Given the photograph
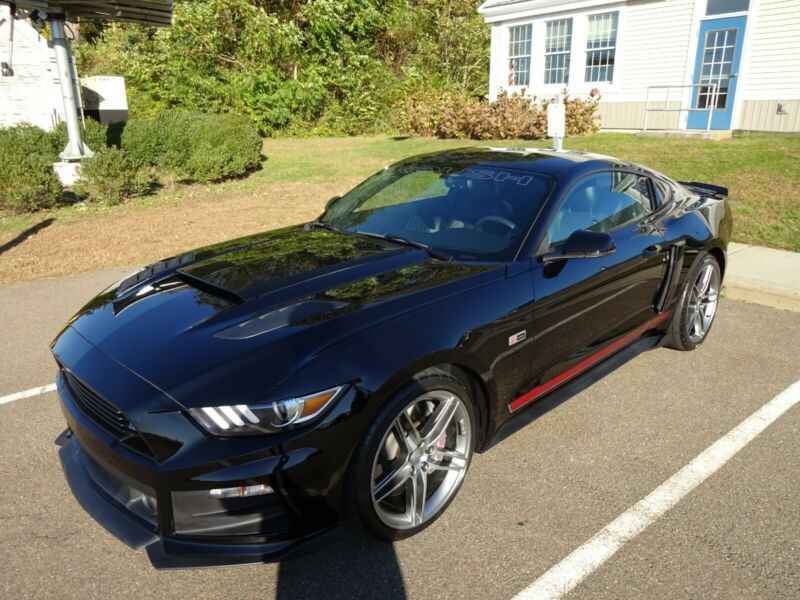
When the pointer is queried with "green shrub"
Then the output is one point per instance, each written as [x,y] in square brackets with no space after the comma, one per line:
[510,116]
[27,180]
[112,176]
[194,146]
[93,134]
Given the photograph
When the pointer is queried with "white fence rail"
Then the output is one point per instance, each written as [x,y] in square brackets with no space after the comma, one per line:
[711,101]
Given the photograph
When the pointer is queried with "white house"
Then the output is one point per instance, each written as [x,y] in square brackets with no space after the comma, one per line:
[29,85]
[696,64]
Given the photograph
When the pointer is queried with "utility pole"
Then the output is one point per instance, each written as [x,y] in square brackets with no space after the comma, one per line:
[75,148]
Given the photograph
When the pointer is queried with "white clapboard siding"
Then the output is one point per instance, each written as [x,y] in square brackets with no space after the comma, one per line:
[32,94]
[772,69]
[654,45]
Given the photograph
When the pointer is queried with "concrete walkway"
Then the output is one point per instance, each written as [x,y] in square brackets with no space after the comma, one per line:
[764,276]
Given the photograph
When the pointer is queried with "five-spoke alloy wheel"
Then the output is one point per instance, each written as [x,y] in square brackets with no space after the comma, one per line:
[697,306]
[422,459]
[415,455]
[703,298]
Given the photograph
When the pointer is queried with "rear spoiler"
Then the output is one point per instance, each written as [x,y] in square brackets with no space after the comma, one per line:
[706,188]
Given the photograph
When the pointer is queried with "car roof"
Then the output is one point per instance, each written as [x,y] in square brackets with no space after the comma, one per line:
[536,160]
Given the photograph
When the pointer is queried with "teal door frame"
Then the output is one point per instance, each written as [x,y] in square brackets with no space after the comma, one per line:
[714,63]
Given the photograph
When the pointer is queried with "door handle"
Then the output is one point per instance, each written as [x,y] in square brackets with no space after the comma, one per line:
[653,250]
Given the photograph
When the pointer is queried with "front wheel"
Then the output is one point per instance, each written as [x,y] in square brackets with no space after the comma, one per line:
[697,307]
[414,457]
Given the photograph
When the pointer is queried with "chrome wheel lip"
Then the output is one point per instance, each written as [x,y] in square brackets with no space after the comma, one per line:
[425,451]
[703,301]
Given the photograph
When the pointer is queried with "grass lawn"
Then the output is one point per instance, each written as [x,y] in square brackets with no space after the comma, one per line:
[299,175]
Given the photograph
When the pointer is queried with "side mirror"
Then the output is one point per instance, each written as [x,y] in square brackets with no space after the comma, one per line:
[582,244]
[332,202]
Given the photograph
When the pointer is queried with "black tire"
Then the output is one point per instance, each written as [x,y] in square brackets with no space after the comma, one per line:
[679,336]
[358,507]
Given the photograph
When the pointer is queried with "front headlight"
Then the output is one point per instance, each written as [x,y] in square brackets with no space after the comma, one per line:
[271,417]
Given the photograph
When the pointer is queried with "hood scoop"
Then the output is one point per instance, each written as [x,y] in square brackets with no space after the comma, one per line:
[209,287]
[299,313]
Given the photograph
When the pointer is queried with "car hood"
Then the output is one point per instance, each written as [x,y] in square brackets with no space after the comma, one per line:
[231,322]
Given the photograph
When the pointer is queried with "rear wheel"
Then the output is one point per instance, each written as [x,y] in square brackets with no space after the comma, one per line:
[414,457]
[697,308]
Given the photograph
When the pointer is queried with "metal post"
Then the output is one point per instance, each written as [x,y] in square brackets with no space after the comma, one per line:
[75,148]
[556,122]
[711,105]
[646,105]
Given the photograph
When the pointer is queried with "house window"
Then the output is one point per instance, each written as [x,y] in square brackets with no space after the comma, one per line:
[558,39]
[721,7]
[601,47]
[519,55]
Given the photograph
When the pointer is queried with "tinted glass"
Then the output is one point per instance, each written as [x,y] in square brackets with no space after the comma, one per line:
[472,212]
[719,7]
[601,202]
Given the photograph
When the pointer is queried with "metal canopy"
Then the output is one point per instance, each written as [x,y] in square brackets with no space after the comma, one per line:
[146,12]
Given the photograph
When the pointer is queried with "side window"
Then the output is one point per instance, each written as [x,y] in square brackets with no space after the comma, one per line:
[662,192]
[601,202]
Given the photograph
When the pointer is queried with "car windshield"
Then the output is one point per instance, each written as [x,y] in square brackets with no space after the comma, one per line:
[467,211]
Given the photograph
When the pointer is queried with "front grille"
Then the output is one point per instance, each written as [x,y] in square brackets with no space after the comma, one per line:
[107,416]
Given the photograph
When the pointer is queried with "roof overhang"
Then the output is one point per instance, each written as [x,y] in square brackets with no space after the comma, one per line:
[500,10]
[146,12]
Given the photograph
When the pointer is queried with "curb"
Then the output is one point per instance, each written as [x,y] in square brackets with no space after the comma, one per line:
[760,295]
[763,276]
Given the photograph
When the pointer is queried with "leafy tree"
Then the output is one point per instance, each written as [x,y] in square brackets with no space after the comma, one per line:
[327,66]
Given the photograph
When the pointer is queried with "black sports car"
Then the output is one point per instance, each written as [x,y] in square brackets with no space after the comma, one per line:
[238,402]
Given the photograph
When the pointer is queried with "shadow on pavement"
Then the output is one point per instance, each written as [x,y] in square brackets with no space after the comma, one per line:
[24,235]
[358,567]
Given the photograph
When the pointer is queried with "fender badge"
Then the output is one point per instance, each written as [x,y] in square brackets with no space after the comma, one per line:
[517,337]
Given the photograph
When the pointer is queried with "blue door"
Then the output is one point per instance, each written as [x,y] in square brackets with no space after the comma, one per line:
[719,52]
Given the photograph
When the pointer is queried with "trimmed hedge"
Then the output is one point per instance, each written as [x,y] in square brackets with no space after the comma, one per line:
[112,176]
[27,180]
[94,135]
[202,147]
[173,145]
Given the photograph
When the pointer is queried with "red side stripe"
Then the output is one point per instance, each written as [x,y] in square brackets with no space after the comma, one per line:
[542,389]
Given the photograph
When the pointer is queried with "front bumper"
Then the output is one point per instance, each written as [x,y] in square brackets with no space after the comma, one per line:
[101,490]
[141,466]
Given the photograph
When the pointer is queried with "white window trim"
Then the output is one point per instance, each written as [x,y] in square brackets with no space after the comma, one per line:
[568,52]
[577,85]
[587,50]
[507,57]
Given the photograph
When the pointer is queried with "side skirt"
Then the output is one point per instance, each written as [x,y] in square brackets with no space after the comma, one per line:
[572,388]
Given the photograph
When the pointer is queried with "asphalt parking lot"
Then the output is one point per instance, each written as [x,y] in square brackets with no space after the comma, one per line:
[526,504]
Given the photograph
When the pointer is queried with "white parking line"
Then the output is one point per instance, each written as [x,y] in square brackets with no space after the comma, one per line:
[567,574]
[28,393]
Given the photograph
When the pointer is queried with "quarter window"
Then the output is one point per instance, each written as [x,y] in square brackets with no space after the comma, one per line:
[558,40]
[601,47]
[601,202]
[519,55]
